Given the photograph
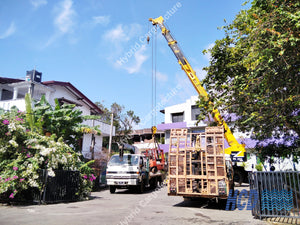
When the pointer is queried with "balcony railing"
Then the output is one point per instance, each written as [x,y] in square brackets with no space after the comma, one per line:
[7,104]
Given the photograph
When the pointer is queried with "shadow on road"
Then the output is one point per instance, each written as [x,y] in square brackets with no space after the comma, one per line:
[203,203]
[93,197]
[134,191]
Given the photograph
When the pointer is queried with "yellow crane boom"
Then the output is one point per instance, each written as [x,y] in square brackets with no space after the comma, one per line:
[236,149]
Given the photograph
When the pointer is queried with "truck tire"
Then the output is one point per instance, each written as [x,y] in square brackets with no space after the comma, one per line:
[238,177]
[112,189]
[153,183]
[141,187]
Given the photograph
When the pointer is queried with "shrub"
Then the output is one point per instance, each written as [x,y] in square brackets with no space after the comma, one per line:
[24,152]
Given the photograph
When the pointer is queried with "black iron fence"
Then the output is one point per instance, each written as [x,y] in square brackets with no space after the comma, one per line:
[63,187]
[278,194]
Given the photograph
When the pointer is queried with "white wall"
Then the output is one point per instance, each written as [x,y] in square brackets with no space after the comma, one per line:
[87,138]
[105,128]
[87,143]
[186,108]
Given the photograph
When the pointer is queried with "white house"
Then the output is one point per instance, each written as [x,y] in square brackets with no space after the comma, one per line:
[182,115]
[12,93]
[185,112]
[185,115]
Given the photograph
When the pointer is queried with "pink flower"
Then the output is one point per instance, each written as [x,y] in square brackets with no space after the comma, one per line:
[92,177]
[28,155]
[22,179]
[85,176]
[11,195]
[15,177]
[7,133]
[6,122]
[15,168]
[19,119]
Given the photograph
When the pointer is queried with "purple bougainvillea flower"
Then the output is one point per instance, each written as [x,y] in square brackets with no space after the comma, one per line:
[15,177]
[92,177]
[15,168]
[11,195]
[6,122]
[19,119]
[85,176]
[22,179]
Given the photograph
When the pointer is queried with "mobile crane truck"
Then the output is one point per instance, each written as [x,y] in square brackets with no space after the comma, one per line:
[236,150]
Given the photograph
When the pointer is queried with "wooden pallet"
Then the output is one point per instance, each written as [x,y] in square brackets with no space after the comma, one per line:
[197,162]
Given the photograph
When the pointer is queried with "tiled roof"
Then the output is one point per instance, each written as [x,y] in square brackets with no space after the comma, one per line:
[5,80]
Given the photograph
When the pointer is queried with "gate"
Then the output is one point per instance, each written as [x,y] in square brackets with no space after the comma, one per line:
[279,194]
[64,187]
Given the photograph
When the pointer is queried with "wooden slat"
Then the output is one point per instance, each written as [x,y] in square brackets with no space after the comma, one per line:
[183,146]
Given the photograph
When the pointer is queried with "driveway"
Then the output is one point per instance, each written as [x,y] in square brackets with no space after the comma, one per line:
[126,207]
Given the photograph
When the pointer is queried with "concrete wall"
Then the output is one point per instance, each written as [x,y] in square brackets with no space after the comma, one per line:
[87,145]
[186,108]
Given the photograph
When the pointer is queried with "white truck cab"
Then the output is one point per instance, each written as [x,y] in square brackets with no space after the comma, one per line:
[130,170]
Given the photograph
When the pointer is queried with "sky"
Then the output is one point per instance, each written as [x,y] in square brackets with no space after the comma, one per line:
[100,46]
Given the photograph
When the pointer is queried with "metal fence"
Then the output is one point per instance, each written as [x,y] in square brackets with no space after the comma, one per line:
[278,194]
[63,187]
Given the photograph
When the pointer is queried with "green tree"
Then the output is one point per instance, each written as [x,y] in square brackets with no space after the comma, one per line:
[123,121]
[106,116]
[254,72]
[63,120]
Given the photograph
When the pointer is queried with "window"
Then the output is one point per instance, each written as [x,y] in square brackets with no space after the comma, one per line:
[6,95]
[195,112]
[130,160]
[177,117]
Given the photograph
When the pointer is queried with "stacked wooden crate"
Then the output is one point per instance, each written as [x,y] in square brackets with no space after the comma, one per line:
[197,163]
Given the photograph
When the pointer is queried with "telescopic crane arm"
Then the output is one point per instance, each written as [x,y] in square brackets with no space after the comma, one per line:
[236,149]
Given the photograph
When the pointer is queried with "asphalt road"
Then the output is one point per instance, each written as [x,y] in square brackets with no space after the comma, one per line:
[126,207]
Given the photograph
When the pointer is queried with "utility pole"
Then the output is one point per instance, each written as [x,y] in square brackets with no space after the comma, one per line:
[32,84]
[93,142]
[110,135]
